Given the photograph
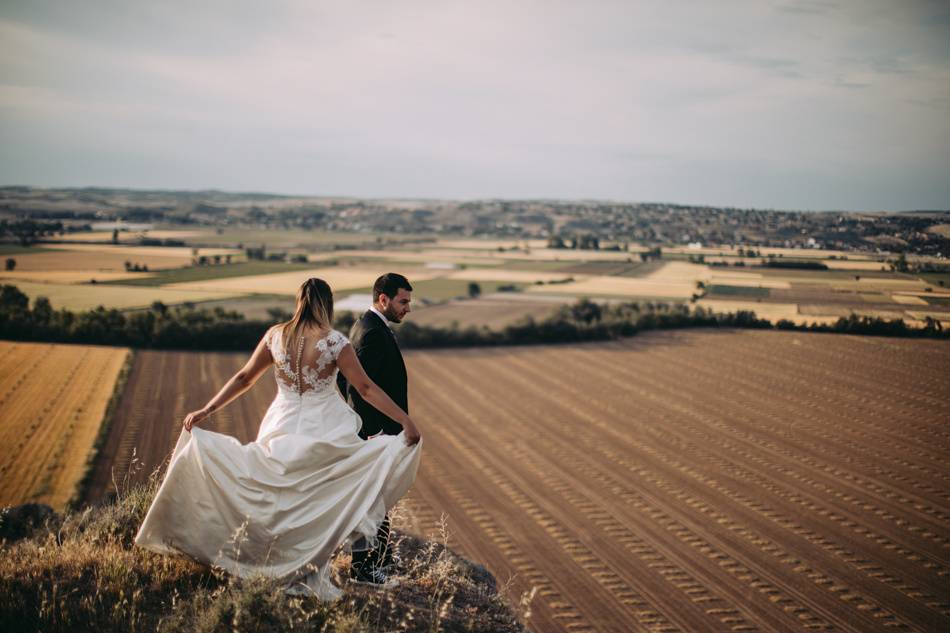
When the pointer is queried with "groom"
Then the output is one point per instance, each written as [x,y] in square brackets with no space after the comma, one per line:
[376,347]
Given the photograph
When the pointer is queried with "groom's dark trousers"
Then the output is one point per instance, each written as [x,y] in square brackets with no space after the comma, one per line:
[376,347]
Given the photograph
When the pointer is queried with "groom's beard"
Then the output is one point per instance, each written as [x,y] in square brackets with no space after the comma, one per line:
[390,314]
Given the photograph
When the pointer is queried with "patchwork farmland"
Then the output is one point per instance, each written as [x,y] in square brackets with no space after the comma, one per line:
[676,481]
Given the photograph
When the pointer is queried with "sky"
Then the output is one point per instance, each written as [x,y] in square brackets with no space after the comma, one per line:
[812,105]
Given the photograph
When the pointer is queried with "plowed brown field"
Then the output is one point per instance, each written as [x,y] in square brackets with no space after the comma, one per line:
[678,481]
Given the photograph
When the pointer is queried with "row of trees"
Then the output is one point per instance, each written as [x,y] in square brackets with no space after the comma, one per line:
[27,231]
[188,327]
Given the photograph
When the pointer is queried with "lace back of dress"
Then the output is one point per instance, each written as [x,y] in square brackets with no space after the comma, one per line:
[308,363]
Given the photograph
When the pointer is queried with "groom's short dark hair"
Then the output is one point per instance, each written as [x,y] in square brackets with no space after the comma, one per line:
[389,285]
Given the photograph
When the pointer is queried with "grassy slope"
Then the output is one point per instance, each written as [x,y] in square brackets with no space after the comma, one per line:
[81,571]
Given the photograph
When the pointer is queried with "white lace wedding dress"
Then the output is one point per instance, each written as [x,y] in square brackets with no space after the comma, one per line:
[281,505]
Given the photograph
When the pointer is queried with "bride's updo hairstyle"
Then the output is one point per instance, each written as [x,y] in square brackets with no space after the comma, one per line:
[314,308]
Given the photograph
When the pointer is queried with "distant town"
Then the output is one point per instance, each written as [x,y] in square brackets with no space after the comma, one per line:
[28,214]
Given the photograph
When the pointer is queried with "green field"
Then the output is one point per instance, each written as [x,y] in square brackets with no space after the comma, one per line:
[214,271]
[16,249]
[938,301]
[720,290]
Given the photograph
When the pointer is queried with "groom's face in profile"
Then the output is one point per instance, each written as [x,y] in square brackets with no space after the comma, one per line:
[397,307]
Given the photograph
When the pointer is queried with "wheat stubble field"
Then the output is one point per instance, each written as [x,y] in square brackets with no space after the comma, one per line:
[676,481]
[52,401]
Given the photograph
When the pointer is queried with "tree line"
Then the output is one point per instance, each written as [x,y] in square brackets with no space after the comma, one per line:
[188,327]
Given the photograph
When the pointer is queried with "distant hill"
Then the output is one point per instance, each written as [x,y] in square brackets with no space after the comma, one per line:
[646,223]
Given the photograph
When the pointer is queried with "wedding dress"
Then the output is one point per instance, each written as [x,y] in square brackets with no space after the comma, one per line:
[281,505]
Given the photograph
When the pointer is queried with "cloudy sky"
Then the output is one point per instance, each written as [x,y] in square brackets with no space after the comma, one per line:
[794,105]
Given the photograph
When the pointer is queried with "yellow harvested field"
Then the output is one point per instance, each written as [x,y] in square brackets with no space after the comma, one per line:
[830,311]
[632,287]
[850,264]
[490,245]
[940,229]
[771,311]
[87,297]
[679,271]
[107,261]
[185,252]
[339,278]
[909,299]
[922,315]
[70,276]
[872,284]
[52,401]
[502,274]
[751,280]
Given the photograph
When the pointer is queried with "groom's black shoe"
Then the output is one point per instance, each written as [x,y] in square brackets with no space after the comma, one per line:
[373,576]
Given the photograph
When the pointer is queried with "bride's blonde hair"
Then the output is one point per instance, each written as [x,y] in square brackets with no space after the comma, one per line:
[314,307]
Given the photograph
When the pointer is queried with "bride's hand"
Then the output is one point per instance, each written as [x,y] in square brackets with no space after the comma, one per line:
[412,434]
[194,418]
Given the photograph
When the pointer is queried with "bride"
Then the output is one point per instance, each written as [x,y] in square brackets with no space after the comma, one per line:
[281,505]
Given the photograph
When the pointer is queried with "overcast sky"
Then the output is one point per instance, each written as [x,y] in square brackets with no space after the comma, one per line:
[792,105]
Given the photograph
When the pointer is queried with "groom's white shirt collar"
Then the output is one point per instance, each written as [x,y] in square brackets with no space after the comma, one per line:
[380,315]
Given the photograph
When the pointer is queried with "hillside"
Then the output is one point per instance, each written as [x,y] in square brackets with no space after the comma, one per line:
[80,572]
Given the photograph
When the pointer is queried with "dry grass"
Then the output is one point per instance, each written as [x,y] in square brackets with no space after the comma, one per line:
[52,402]
[908,299]
[81,571]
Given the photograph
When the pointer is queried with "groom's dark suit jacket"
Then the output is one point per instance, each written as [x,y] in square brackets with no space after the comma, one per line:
[375,345]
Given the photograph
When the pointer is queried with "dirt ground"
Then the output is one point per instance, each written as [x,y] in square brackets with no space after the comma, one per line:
[676,481]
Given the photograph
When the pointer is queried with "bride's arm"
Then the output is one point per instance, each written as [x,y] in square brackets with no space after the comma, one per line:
[240,382]
[349,364]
